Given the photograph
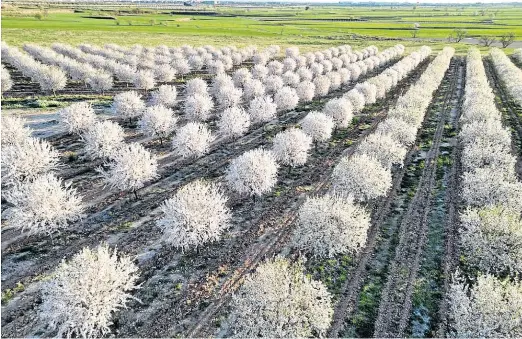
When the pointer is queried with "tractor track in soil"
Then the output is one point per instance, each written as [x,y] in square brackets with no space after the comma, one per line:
[135,237]
[350,292]
[173,175]
[511,112]
[396,302]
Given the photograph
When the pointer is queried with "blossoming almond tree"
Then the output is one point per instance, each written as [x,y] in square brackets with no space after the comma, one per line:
[280,301]
[131,168]
[83,293]
[195,215]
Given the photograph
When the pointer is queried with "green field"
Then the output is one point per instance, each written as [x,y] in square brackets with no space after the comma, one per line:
[310,28]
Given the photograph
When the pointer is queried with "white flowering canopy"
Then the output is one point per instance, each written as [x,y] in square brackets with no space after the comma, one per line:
[44,205]
[195,215]
[383,148]
[348,178]
[103,139]
[198,107]
[252,173]
[262,109]
[279,301]
[27,160]
[165,95]
[157,120]
[234,122]
[78,117]
[291,147]
[340,110]
[128,105]
[192,140]
[14,130]
[83,294]
[318,125]
[286,98]
[132,167]
[329,225]
[488,309]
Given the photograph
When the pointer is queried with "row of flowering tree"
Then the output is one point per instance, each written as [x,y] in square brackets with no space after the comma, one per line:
[197,213]
[485,298]
[49,78]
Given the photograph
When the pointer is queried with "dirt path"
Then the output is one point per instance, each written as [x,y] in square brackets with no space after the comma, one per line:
[396,303]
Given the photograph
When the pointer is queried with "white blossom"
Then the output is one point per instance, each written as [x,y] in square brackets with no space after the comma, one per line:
[103,139]
[318,126]
[165,95]
[279,301]
[362,177]
[234,122]
[131,168]
[14,130]
[286,98]
[262,109]
[383,148]
[192,140]
[44,205]
[128,105]
[291,147]
[27,160]
[488,309]
[253,173]
[322,85]
[196,86]
[198,107]
[157,121]
[329,225]
[195,215]
[253,88]
[82,295]
[78,117]
[144,79]
[491,240]
[340,110]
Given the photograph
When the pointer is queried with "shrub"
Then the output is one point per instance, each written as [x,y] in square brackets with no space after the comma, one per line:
[84,293]
[291,147]
[192,140]
[78,117]
[44,205]
[253,173]
[279,301]
[383,148]
[328,226]
[195,215]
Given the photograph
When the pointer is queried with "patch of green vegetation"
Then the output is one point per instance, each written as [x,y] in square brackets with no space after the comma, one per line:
[8,294]
[312,28]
